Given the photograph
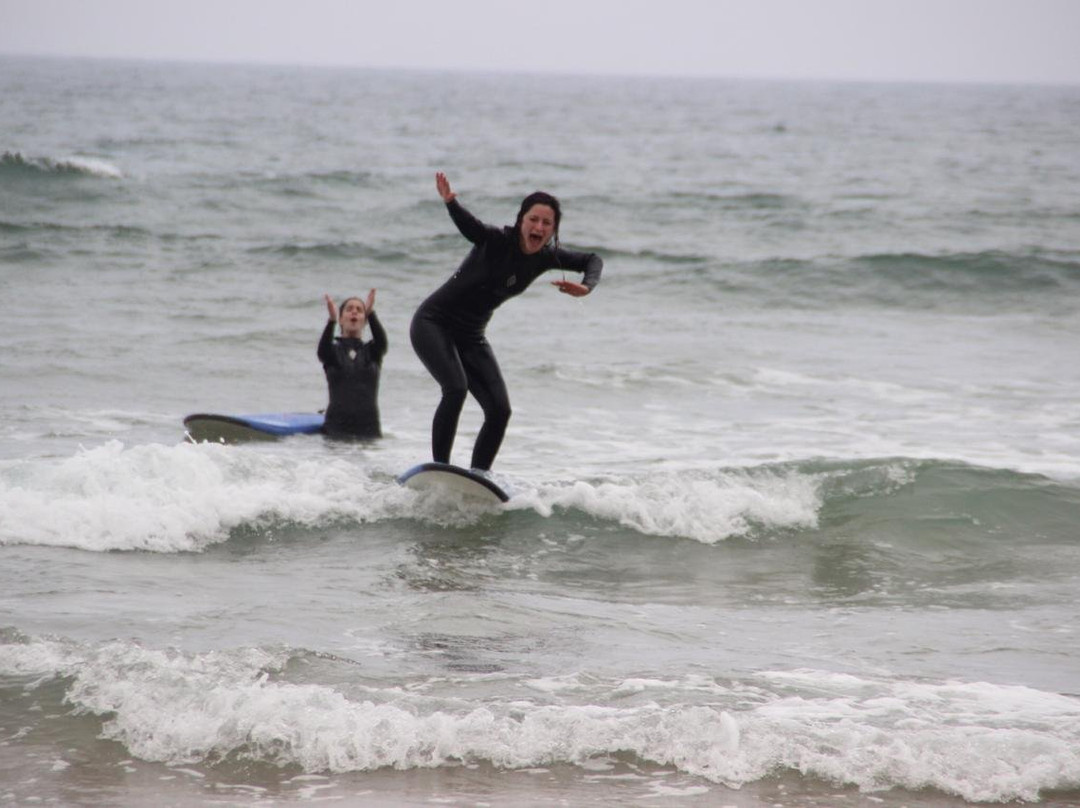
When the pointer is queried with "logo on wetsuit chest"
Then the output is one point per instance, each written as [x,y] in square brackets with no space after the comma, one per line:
[511,281]
[352,353]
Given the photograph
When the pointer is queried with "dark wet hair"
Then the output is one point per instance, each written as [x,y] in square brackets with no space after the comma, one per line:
[341,308]
[539,198]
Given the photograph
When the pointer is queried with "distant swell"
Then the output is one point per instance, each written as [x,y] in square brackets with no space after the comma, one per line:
[993,271]
[341,249]
[14,164]
[734,201]
[995,280]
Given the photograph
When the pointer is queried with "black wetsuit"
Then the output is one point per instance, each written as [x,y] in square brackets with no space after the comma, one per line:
[352,375]
[448,328]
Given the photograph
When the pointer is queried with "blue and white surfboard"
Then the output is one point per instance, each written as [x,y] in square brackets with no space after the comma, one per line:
[240,428]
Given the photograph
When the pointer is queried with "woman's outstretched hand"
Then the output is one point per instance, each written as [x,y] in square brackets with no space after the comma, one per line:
[571,288]
[442,185]
[369,304]
[331,307]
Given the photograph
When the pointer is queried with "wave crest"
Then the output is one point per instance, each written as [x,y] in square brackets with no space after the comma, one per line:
[704,506]
[15,164]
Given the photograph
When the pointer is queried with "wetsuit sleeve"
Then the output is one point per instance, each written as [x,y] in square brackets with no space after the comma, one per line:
[589,263]
[472,228]
[325,351]
[378,336]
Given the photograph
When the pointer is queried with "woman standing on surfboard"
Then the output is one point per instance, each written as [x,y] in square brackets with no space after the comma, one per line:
[448,328]
[352,369]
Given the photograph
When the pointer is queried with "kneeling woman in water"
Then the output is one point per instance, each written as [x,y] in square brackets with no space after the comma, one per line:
[448,328]
[352,369]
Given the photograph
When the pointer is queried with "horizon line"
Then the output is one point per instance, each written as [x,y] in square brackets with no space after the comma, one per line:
[561,73]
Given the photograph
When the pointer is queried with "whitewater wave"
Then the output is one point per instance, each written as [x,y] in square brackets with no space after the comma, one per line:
[190,496]
[704,506]
[981,741]
[176,498]
[187,497]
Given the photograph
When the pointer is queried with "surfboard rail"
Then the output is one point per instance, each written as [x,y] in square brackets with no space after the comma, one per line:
[217,428]
[426,476]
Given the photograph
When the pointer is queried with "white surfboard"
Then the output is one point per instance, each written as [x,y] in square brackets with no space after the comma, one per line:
[453,479]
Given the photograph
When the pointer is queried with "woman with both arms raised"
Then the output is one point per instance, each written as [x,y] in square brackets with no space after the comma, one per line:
[448,328]
[352,369]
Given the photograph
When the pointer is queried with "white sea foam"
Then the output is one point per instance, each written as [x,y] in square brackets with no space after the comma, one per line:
[706,507]
[186,497]
[92,166]
[175,498]
[981,741]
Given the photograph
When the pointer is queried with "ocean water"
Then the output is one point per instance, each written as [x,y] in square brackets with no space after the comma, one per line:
[797,489]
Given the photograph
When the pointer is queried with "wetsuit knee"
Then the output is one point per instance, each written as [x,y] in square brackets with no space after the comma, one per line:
[455,394]
[498,413]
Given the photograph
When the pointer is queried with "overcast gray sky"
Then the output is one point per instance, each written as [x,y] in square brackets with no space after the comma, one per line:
[935,40]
